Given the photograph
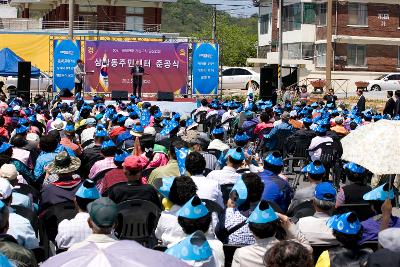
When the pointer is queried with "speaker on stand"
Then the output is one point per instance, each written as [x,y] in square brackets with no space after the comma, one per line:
[24,80]
[267,82]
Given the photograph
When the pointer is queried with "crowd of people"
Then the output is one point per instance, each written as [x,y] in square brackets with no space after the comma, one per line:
[217,177]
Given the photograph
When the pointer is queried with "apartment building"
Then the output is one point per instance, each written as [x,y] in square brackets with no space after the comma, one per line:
[366,37]
[113,15]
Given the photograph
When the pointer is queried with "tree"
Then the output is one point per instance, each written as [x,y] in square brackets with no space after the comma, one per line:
[237,43]
[191,18]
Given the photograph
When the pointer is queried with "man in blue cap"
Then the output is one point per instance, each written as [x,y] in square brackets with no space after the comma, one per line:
[76,230]
[314,227]
[102,217]
[265,224]
[218,140]
[228,174]
[353,193]
[276,189]
[348,230]
[381,200]
[315,172]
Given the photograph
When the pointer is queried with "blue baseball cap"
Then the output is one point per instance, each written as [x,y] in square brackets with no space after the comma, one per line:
[346,223]
[263,213]
[380,193]
[325,191]
[69,128]
[274,158]
[241,137]
[120,156]
[100,132]
[239,192]
[320,129]
[193,209]
[355,168]
[23,121]
[21,129]
[307,120]
[236,154]
[107,144]
[195,247]
[88,190]
[315,167]
[166,186]
[218,130]
[4,146]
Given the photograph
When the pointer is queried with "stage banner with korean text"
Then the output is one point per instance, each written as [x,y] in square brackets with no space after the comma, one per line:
[108,65]
[66,53]
[205,68]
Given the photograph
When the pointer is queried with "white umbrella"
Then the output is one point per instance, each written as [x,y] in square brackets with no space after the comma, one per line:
[120,254]
[375,146]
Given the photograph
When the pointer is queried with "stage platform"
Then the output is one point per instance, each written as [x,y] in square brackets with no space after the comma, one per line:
[181,105]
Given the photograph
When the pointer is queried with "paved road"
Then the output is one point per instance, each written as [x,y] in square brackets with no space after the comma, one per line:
[368,95]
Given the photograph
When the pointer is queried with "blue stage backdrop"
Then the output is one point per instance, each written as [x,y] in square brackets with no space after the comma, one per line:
[205,68]
[66,53]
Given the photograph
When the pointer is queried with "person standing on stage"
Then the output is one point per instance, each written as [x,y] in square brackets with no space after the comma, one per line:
[79,73]
[137,72]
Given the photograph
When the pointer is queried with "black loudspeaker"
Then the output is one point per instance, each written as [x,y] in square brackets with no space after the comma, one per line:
[119,95]
[165,96]
[24,79]
[267,82]
[65,93]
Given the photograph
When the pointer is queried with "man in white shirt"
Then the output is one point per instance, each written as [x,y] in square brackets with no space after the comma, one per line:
[77,229]
[314,227]
[218,142]
[103,213]
[226,116]
[316,141]
[228,174]
[20,228]
[206,188]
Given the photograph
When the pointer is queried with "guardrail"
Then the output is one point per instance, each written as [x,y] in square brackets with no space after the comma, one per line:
[32,24]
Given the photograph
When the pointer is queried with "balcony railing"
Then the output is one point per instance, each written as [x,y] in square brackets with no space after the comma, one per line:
[32,24]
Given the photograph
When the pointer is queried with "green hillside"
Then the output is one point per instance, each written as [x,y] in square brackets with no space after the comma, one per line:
[236,36]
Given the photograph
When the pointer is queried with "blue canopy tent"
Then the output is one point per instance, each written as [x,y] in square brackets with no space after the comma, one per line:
[9,64]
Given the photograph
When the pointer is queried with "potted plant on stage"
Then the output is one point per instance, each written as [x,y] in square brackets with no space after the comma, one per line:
[318,86]
[362,85]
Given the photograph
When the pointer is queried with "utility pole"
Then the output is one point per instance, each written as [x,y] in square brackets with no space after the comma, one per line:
[71,19]
[329,50]
[214,29]
[280,46]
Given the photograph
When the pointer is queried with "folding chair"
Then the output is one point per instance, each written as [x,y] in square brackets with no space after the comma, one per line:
[137,220]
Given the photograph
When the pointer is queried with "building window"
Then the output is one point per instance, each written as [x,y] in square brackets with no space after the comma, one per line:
[291,17]
[134,18]
[356,55]
[307,50]
[321,14]
[264,23]
[309,13]
[320,52]
[358,14]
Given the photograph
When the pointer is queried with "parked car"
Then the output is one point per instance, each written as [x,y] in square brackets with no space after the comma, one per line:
[388,81]
[44,81]
[239,78]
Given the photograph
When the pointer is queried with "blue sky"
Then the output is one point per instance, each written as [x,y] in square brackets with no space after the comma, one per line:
[235,7]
